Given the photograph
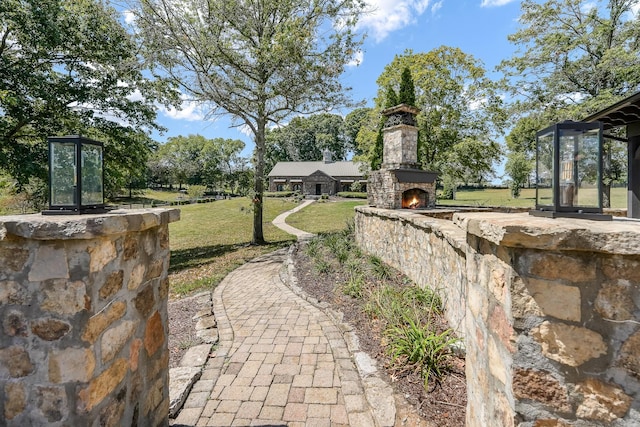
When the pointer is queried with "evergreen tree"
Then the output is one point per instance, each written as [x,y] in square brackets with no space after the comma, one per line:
[391,98]
[407,93]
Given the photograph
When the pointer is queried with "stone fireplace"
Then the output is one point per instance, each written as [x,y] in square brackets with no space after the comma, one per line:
[400,183]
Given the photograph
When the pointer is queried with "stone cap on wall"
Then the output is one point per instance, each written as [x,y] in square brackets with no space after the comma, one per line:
[619,236]
[69,227]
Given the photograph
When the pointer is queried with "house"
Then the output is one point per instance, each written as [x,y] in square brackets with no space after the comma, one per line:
[316,178]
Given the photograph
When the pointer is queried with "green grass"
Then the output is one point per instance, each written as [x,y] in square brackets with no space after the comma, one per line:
[324,217]
[502,197]
[212,239]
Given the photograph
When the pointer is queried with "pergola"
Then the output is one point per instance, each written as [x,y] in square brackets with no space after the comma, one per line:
[626,113]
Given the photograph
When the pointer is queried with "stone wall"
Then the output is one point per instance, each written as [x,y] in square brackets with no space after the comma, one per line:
[549,310]
[83,307]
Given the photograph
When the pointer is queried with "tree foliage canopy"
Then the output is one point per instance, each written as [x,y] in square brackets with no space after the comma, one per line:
[69,67]
[573,56]
[196,160]
[306,138]
[458,104]
[257,61]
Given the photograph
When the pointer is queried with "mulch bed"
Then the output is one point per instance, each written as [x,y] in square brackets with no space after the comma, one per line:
[445,401]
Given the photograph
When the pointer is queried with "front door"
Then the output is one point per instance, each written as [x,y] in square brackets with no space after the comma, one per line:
[318,189]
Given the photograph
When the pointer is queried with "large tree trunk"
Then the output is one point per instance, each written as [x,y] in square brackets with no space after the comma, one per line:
[258,186]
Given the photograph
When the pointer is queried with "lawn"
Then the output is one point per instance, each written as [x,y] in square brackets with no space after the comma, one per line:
[212,239]
[324,216]
[502,197]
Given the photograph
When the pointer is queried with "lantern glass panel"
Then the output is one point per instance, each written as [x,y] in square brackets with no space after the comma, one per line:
[544,170]
[63,173]
[579,172]
[92,188]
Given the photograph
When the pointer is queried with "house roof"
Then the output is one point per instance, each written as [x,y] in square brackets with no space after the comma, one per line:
[621,113]
[307,168]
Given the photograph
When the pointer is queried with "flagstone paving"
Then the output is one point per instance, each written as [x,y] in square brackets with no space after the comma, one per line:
[281,361]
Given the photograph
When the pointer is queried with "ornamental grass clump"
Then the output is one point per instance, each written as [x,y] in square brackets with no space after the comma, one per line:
[415,345]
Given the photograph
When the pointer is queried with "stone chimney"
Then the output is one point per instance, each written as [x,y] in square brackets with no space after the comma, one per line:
[400,138]
[400,183]
[327,157]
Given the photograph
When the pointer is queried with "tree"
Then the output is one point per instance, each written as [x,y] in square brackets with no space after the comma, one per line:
[407,94]
[471,161]
[196,160]
[69,67]
[306,138]
[519,168]
[258,62]
[458,104]
[391,98]
[181,154]
[353,122]
[574,58]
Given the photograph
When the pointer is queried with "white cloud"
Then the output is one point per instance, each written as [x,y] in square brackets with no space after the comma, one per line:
[357,59]
[491,3]
[129,17]
[635,9]
[436,7]
[189,110]
[386,16]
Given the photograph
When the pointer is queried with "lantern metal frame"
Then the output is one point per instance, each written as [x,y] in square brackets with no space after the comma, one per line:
[565,181]
[69,182]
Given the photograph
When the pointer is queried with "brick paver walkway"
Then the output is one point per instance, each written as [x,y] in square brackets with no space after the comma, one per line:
[280,362]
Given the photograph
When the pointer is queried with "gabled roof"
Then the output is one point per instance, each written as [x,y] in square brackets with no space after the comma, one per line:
[307,168]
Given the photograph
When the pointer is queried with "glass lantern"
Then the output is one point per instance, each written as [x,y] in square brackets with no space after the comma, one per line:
[76,176]
[569,171]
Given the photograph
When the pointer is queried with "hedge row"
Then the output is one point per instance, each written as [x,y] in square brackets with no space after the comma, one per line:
[352,194]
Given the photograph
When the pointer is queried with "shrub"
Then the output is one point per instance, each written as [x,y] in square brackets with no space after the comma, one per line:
[352,195]
[278,193]
[197,191]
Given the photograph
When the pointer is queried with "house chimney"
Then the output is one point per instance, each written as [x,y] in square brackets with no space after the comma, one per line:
[326,156]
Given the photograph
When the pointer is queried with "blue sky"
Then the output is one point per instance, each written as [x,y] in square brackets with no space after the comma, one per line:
[477,27]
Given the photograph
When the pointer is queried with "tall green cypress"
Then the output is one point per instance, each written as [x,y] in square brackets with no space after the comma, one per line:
[407,93]
[391,98]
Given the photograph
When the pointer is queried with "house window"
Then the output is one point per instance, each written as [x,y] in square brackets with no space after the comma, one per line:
[297,187]
[280,187]
[346,187]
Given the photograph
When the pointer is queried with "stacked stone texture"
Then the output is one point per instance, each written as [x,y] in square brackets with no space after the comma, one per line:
[83,305]
[400,149]
[549,309]
[400,152]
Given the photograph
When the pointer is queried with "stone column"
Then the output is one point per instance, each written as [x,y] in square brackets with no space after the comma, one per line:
[83,306]
[400,146]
